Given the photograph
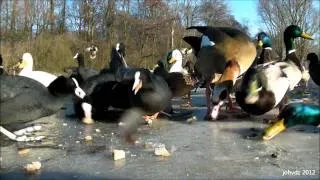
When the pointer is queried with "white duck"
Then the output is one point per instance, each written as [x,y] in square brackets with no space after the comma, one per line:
[175,58]
[26,64]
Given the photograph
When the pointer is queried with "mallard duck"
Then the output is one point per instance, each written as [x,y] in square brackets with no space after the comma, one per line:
[314,67]
[266,53]
[24,99]
[26,64]
[146,91]
[293,114]
[220,50]
[264,87]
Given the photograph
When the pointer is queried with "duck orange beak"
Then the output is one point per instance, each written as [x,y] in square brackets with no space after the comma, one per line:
[260,43]
[274,130]
[19,65]
[306,36]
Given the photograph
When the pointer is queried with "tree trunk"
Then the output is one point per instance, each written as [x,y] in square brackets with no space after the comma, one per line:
[63,17]
[51,21]
[13,16]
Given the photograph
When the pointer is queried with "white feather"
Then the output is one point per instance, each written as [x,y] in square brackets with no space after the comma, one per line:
[40,76]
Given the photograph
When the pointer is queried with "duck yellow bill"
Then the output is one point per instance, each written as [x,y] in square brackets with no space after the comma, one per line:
[260,43]
[274,130]
[172,60]
[306,36]
[19,65]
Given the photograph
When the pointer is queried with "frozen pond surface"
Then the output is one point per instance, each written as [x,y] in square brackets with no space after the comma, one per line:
[229,148]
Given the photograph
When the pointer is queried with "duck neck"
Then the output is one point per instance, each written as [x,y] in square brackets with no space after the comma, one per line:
[26,70]
[81,63]
[289,43]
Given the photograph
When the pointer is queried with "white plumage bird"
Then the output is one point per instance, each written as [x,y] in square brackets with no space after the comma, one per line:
[26,64]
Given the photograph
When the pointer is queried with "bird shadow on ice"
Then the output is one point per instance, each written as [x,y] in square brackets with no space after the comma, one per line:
[252,133]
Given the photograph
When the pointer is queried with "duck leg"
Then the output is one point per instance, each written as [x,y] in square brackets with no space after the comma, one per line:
[231,107]
[209,103]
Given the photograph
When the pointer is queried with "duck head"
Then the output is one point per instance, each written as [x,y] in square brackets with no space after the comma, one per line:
[224,85]
[121,48]
[292,32]
[26,62]
[80,58]
[263,40]
[291,115]
[63,86]
[93,51]
[174,60]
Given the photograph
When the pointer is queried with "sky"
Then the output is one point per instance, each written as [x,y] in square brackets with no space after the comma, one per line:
[246,11]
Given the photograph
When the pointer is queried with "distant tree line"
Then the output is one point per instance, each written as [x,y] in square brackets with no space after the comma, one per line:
[53,30]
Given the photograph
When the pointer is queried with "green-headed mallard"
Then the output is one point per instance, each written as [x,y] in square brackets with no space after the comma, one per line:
[264,42]
[263,87]
[220,50]
[314,67]
[293,114]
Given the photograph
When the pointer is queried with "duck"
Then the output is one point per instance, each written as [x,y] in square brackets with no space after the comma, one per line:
[223,54]
[24,99]
[178,78]
[264,42]
[291,115]
[265,86]
[117,59]
[314,67]
[93,50]
[144,90]
[26,64]
[81,73]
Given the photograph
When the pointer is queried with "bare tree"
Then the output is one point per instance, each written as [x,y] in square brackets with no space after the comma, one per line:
[277,15]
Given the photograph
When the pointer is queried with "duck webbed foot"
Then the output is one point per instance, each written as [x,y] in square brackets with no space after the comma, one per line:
[149,119]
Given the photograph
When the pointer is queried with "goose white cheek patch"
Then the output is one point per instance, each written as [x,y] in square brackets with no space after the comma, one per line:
[215,110]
